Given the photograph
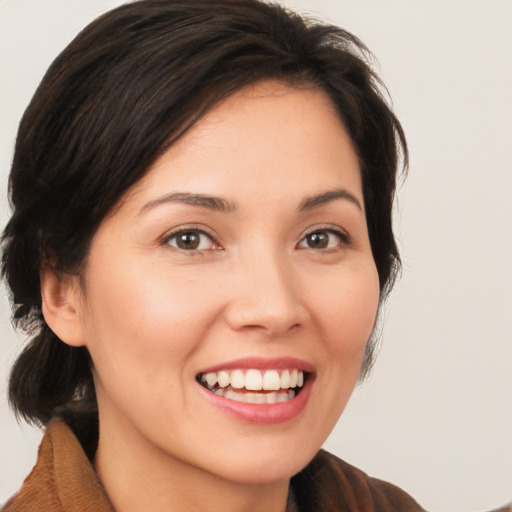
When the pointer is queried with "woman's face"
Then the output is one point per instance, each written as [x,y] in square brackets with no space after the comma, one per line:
[240,262]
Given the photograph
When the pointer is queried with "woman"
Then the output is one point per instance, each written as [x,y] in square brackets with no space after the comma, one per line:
[200,241]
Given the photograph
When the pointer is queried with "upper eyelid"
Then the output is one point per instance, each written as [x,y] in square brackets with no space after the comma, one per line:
[176,231]
[327,227]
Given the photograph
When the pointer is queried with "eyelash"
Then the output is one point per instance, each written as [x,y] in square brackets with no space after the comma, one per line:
[189,230]
[345,239]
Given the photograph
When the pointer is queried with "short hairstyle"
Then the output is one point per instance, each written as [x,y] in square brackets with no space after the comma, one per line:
[123,91]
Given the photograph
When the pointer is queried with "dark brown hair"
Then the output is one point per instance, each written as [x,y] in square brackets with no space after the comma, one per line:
[128,86]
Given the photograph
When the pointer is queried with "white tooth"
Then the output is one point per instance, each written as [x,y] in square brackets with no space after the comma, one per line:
[260,398]
[219,392]
[293,378]
[223,379]
[237,379]
[253,380]
[203,377]
[282,397]
[271,398]
[231,395]
[211,379]
[300,379]
[271,380]
[291,394]
[285,379]
[249,398]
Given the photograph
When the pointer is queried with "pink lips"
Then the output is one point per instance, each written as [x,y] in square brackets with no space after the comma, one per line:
[262,413]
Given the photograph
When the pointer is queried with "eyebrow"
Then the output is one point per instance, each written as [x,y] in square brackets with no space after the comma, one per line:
[325,197]
[202,201]
[222,205]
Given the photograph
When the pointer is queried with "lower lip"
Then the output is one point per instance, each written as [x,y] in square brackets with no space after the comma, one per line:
[262,413]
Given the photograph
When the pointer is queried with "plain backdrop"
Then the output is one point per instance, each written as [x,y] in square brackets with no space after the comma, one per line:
[436,416]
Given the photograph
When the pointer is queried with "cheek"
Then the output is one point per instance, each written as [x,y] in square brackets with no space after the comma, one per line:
[344,317]
[146,324]
[348,310]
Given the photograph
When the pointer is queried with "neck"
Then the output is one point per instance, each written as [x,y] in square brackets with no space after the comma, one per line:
[138,477]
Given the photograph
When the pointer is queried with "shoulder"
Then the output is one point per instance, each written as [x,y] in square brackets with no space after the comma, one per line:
[329,483]
[38,489]
[62,479]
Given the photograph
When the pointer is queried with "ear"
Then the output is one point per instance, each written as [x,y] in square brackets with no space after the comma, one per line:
[61,305]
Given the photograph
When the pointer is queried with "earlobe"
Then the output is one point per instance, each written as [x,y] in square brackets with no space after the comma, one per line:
[60,294]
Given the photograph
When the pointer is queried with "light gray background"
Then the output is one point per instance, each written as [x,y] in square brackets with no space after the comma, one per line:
[436,415]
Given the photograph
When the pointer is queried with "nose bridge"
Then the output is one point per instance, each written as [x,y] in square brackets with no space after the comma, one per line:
[265,295]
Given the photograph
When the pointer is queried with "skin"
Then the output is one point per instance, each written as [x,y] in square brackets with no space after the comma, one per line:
[153,315]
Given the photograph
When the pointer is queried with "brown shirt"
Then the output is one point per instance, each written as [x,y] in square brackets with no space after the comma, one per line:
[64,480]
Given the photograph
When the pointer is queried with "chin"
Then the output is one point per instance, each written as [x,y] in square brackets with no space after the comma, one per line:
[263,463]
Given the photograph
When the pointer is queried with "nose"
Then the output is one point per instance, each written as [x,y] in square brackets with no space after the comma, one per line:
[265,297]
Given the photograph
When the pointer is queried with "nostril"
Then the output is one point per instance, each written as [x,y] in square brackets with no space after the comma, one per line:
[270,329]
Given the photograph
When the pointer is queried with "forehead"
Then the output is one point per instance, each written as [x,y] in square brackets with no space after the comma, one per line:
[259,139]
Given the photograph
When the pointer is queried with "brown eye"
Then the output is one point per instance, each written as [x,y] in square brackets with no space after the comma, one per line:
[325,239]
[318,240]
[191,240]
[188,240]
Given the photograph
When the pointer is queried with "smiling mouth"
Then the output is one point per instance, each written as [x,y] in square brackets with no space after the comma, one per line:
[254,386]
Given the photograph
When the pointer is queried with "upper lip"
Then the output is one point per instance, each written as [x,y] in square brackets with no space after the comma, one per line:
[262,363]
